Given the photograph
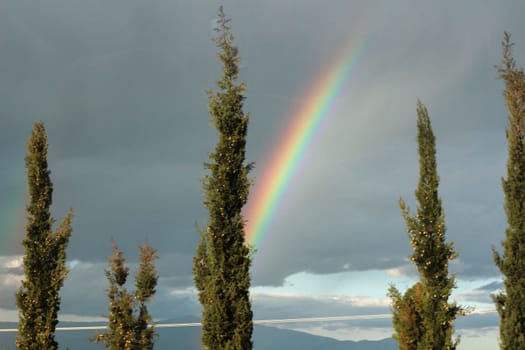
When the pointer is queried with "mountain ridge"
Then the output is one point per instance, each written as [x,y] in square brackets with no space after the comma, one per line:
[188,338]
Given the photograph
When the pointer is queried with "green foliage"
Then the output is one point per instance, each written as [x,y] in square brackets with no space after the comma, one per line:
[407,316]
[145,283]
[510,303]
[222,260]
[45,269]
[432,324]
[128,330]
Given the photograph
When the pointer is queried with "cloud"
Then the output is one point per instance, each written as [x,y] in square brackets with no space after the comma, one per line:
[344,331]
[491,287]
[478,296]
[481,294]
[407,270]
[288,305]
[121,162]
[11,273]
[12,263]
[482,338]
[478,320]
[380,163]
[8,315]
[11,281]
[362,301]
[121,85]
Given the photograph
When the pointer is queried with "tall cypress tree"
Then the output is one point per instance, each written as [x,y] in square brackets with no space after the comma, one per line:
[222,260]
[510,303]
[126,329]
[431,253]
[38,299]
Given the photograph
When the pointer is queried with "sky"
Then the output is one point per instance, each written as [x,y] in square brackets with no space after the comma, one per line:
[121,87]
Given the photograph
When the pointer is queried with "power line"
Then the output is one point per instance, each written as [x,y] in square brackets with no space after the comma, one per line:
[198,324]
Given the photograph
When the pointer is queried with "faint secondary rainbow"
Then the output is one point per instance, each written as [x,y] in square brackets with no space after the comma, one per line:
[12,220]
[320,100]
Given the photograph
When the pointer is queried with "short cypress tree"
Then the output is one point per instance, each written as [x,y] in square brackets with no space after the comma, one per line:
[145,283]
[38,299]
[431,253]
[222,260]
[510,303]
[127,330]
[120,333]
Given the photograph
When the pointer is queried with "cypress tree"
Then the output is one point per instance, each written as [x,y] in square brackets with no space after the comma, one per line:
[431,253]
[120,333]
[510,303]
[38,298]
[127,330]
[222,260]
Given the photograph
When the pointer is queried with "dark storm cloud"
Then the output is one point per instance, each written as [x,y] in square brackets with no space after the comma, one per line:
[343,209]
[121,85]
[121,91]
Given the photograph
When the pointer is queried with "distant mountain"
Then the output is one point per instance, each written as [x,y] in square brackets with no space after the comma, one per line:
[270,338]
[265,338]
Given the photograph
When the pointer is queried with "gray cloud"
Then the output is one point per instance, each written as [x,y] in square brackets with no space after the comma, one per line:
[121,85]
[491,287]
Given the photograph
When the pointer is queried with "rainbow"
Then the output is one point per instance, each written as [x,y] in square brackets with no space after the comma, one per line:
[321,100]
